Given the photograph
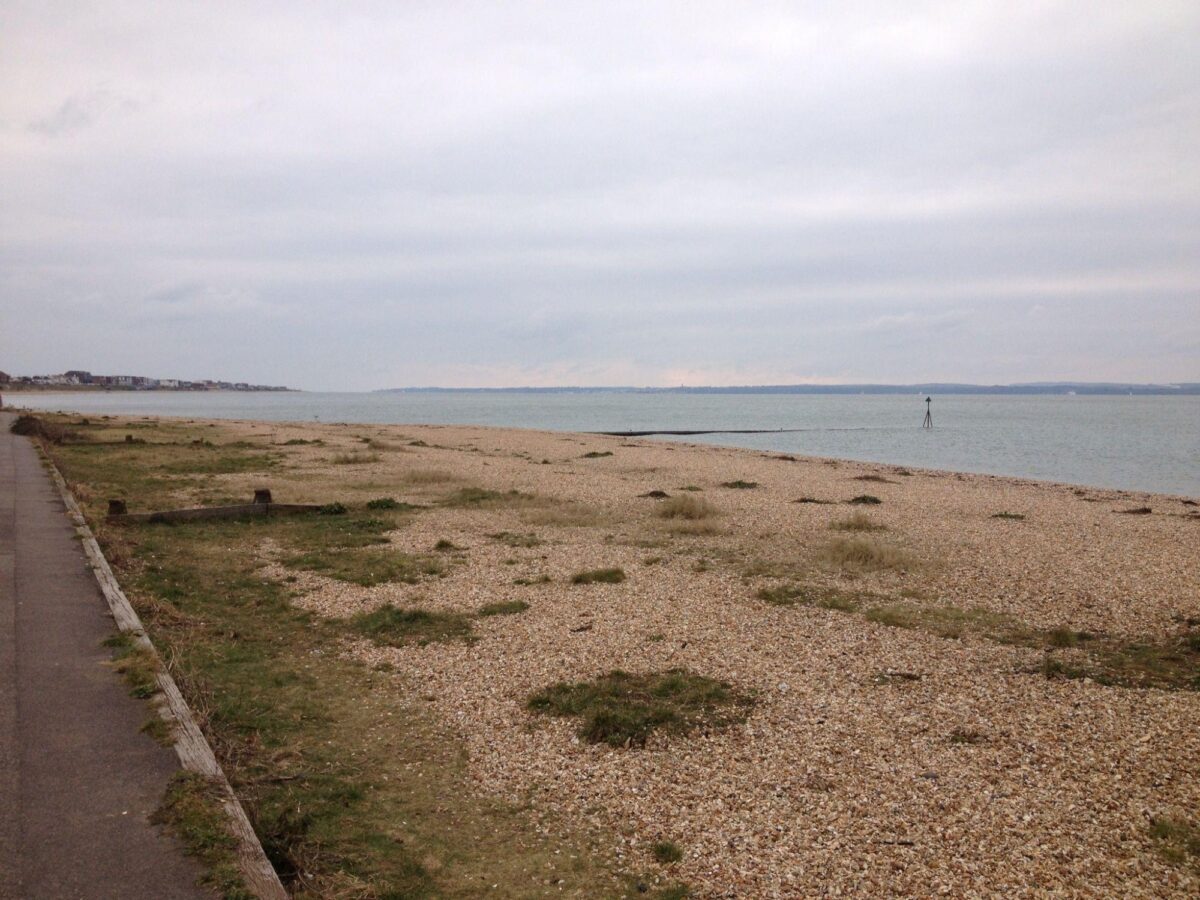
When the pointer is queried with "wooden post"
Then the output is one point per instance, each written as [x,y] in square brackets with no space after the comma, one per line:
[262,495]
[117,508]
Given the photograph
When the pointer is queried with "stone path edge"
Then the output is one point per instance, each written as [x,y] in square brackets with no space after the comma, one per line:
[194,752]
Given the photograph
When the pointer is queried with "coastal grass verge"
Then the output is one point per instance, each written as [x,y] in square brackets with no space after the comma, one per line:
[353,785]
[623,710]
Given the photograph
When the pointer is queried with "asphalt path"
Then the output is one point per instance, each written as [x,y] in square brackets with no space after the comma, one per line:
[78,781]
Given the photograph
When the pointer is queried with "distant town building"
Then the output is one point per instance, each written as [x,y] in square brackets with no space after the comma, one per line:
[79,378]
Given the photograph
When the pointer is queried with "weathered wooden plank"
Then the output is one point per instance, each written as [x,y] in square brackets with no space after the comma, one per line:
[214,512]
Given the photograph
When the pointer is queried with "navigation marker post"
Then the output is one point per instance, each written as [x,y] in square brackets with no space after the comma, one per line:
[928,423]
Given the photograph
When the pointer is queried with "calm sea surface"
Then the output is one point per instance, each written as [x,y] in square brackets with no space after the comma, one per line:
[1137,443]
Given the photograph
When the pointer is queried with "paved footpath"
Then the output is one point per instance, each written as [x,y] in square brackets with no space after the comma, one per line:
[78,781]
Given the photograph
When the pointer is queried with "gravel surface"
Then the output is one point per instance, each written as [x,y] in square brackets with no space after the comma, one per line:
[973,775]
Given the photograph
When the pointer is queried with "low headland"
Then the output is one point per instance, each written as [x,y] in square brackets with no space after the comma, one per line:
[529,663]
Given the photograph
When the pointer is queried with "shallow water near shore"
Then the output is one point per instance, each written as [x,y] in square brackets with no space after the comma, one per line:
[1131,443]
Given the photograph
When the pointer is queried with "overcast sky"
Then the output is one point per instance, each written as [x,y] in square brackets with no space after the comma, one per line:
[361,195]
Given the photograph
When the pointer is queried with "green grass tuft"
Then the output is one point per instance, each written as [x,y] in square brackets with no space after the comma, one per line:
[666,852]
[599,576]
[503,608]
[192,810]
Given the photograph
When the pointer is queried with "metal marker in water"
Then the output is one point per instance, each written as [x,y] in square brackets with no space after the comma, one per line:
[928,423]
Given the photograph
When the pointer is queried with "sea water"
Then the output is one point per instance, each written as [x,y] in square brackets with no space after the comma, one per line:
[1146,443]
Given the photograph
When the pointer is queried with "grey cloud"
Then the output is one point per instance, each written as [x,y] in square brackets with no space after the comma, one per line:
[610,190]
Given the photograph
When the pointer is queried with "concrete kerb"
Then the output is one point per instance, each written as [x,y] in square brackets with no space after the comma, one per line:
[192,748]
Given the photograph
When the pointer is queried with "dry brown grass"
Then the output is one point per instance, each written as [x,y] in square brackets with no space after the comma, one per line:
[687,506]
[566,515]
[693,527]
[862,554]
[857,522]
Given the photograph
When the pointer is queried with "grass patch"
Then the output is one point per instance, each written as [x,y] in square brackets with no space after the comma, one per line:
[860,554]
[1016,517]
[1178,839]
[385,503]
[943,621]
[878,479]
[691,487]
[1136,511]
[192,811]
[596,454]
[503,608]
[655,495]
[514,539]
[807,595]
[536,579]
[1065,637]
[300,442]
[394,627]
[865,500]
[693,508]
[739,485]
[599,576]
[857,522]
[666,852]
[355,459]
[1172,664]
[445,546]
[366,566]
[812,500]
[624,710]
